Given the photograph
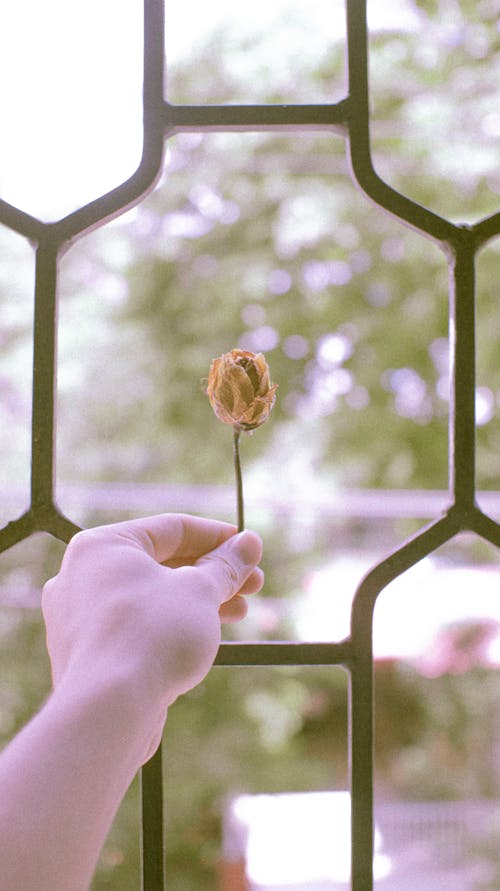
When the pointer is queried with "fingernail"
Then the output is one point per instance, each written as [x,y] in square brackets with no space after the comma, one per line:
[248,546]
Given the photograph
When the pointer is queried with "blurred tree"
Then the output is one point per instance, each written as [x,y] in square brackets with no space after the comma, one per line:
[262,241]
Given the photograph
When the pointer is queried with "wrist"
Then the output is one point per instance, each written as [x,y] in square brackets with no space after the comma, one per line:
[122,708]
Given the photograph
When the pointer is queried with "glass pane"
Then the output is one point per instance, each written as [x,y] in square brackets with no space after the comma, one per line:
[251,749]
[16,333]
[255,52]
[24,662]
[437,629]
[434,97]
[488,380]
[70,103]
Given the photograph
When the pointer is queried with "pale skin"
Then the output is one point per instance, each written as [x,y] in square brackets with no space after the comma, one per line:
[133,621]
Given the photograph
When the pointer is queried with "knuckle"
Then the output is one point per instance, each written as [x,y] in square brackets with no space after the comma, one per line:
[80,541]
[230,573]
[227,578]
[84,542]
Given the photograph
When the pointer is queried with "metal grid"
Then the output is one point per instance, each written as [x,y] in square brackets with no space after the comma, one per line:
[460,244]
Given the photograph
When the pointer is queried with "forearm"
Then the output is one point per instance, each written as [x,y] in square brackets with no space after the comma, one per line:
[61,782]
[133,621]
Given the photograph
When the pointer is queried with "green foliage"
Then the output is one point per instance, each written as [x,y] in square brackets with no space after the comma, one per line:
[262,240]
[450,727]
[269,744]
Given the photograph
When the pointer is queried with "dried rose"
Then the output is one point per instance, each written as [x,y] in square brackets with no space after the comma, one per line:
[240,389]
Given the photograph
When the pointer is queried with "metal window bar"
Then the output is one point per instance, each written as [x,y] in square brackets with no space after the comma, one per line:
[460,244]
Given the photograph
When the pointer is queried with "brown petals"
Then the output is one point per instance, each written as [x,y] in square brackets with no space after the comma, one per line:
[240,389]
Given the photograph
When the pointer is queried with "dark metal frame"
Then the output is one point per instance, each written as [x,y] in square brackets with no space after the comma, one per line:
[460,244]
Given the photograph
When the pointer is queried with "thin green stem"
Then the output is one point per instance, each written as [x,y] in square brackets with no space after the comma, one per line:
[239,482]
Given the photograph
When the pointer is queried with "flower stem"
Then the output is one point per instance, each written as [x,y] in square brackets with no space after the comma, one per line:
[239,483]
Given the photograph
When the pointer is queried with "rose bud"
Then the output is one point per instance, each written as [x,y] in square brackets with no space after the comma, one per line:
[240,390]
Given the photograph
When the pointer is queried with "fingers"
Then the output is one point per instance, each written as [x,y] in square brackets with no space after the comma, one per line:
[170,536]
[253,583]
[234,610]
[231,568]
[226,562]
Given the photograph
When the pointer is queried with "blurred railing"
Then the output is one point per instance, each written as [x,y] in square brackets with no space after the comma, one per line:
[124,497]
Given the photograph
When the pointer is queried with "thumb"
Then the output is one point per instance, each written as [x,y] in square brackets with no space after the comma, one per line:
[228,566]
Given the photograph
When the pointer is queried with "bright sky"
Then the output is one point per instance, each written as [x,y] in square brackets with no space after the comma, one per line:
[71,75]
[411,611]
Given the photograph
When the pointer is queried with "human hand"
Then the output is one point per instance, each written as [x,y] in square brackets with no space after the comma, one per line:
[143,600]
